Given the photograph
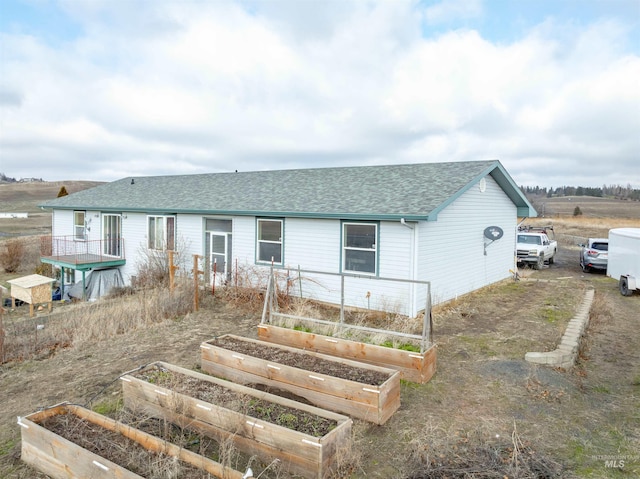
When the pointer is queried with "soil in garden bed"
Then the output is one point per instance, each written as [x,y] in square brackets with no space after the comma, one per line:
[291,418]
[120,449]
[303,361]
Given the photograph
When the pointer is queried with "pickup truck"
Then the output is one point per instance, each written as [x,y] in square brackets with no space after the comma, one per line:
[534,248]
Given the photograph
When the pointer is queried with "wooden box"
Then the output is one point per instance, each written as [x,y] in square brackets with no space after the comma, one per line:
[300,453]
[373,403]
[413,366]
[33,289]
[60,458]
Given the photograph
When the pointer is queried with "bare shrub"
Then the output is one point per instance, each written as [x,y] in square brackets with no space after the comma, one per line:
[152,269]
[440,454]
[153,265]
[44,269]
[31,257]
[248,288]
[11,255]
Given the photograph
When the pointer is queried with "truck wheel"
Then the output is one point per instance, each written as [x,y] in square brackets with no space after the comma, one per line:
[552,259]
[624,286]
[540,263]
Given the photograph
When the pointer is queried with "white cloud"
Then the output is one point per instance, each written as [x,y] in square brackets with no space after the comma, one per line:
[203,86]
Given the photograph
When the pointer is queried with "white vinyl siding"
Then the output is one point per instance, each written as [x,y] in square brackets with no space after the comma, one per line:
[189,235]
[452,249]
[315,244]
[244,239]
[62,222]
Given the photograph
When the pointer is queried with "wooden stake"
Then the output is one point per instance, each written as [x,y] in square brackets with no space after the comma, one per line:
[196,273]
[172,271]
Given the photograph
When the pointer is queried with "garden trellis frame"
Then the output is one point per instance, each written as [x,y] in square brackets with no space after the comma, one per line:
[271,309]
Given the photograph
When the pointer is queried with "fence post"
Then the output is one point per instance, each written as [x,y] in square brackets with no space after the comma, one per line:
[267,296]
[172,271]
[342,299]
[426,326]
[196,273]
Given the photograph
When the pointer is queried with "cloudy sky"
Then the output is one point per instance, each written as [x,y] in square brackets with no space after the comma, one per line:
[103,89]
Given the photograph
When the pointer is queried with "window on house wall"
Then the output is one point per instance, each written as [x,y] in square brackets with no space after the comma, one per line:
[359,248]
[79,226]
[162,232]
[269,245]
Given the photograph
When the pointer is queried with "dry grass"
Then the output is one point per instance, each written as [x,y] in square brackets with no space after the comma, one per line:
[590,206]
[572,230]
[76,325]
[441,453]
[25,198]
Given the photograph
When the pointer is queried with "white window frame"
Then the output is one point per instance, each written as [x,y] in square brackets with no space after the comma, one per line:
[79,227]
[373,249]
[112,235]
[260,241]
[165,243]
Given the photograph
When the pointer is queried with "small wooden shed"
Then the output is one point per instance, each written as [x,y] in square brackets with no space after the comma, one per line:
[33,289]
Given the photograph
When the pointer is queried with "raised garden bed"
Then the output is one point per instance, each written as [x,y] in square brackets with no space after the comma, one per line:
[68,441]
[303,437]
[413,366]
[360,390]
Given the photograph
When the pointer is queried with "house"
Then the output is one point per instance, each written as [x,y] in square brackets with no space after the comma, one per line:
[416,223]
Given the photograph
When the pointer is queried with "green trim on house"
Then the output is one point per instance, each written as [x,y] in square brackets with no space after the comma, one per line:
[84,266]
[257,261]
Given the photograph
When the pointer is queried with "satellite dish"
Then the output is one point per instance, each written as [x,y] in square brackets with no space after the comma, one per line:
[493,233]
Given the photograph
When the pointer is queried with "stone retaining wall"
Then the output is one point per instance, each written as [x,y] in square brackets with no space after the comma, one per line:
[564,356]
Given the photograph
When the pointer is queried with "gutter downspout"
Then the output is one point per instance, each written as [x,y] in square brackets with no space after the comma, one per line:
[413,310]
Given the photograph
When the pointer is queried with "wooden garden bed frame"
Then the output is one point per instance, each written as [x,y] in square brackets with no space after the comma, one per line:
[364,401]
[413,366]
[61,459]
[300,453]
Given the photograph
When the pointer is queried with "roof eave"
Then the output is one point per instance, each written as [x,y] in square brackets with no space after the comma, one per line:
[270,214]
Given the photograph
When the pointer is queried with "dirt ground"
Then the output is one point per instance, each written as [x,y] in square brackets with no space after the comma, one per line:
[582,419]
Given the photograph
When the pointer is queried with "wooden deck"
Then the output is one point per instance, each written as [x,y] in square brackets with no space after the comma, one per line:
[81,255]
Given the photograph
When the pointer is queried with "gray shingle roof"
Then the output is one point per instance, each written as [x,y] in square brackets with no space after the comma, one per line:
[412,191]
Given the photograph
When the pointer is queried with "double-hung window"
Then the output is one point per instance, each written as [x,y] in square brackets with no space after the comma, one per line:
[162,232]
[79,226]
[269,241]
[359,248]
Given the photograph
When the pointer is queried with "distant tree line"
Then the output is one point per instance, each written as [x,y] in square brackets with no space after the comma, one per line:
[5,179]
[606,191]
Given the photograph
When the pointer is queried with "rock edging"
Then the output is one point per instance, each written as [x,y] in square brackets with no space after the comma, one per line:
[564,356]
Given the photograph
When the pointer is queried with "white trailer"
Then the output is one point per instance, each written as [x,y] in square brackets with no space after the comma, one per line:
[624,258]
